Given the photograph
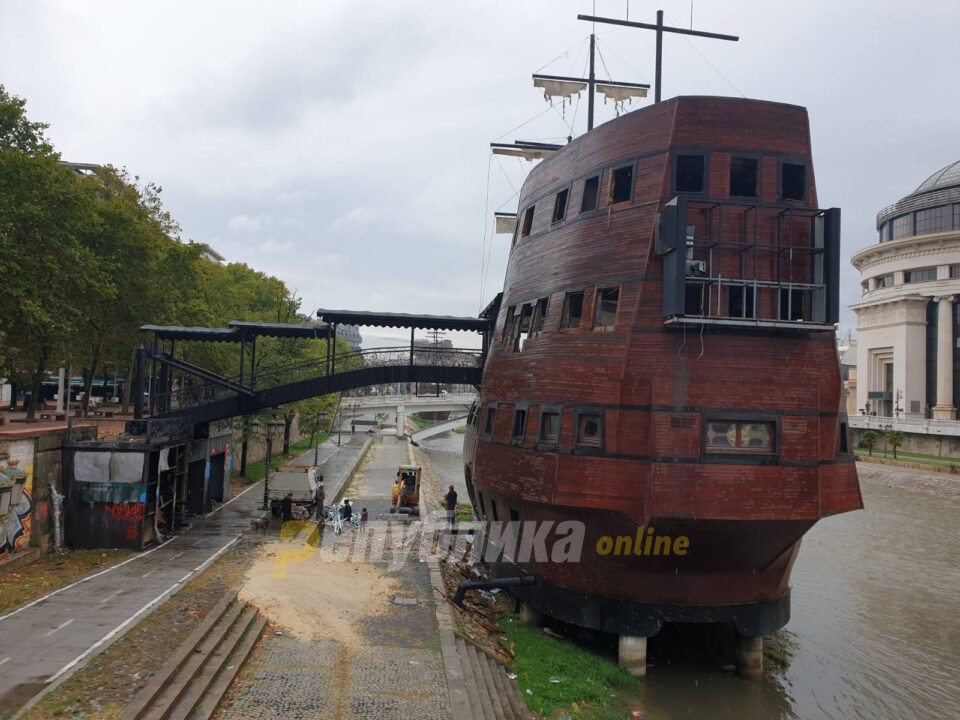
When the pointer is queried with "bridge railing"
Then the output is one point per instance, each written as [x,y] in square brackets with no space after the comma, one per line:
[199,393]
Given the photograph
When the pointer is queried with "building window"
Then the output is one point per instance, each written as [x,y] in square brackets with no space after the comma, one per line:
[591,191]
[740,301]
[690,172]
[606,312]
[549,427]
[935,220]
[560,206]
[795,304]
[864,287]
[527,222]
[729,436]
[793,181]
[885,281]
[621,186]
[954,272]
[743,177]
[903,226]
[490,421]
[572,310]
[590,428]
[519,424]
[539,315]
[922,275]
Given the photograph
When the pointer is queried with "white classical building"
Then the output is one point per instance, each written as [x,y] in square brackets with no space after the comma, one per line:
[907,319]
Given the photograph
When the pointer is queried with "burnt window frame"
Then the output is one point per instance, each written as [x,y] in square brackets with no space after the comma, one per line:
[519,410]
[547,443]
[703,177]
[796,162]
[522,332]
[507,331]
[596,194]
[490,421]
[526,226]
[597,299]
[539,318]
[563,312]
[555,218]
[632,167]
[736,455]
[588,448]
[756,174]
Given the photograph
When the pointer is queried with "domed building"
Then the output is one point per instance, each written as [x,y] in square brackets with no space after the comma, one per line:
[907,319]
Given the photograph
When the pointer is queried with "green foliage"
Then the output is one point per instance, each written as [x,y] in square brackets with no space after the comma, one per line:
[869,439]
[895,438]
[590,685]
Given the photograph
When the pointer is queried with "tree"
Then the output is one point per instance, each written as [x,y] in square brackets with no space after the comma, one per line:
[868,440]
[895,438]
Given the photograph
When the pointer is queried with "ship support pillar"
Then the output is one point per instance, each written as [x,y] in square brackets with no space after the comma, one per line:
[749,656]
[632,654]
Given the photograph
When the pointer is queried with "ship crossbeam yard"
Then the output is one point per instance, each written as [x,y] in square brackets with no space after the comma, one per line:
[173,396]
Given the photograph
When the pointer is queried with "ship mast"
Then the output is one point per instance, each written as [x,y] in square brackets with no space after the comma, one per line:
[660,29]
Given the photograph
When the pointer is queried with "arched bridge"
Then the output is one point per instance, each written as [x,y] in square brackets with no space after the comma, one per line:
[174,392]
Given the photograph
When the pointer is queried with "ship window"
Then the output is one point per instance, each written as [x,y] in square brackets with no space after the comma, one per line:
[591,190]
[606,312]
[527,222]
[690,173]
[560,205]
[508,324]
[740,301]
[727,436]
[795,304]
[572,310]
[549,426]
[922,275]
[481,506]
[621,188]
[490,421]
[743,177]
[844,443]
[519,424]
[514,515]
[695,298]
[793,181]
[590,428]
[493,509]
[539,313]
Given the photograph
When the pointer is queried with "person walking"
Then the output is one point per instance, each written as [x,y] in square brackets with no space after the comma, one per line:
[363,520]
[451,503]
[320,497]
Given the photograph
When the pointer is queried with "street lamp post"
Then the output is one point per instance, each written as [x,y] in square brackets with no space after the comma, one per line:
[321,418]
[273,427]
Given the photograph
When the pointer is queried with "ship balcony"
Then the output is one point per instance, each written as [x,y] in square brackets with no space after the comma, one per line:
[748,265]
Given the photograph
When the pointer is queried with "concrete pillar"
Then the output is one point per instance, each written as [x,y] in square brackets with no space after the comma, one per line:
[945,409]
[401,421]
[531,617]
[749,656]
[632,654]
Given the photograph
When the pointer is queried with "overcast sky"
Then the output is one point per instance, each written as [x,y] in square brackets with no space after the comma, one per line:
[343,146]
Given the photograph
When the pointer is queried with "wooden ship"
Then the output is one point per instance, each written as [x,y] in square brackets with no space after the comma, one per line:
[663,363]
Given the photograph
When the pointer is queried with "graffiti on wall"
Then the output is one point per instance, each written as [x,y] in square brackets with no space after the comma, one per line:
[15,531]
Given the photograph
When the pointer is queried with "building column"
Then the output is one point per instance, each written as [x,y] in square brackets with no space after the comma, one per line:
[944,409]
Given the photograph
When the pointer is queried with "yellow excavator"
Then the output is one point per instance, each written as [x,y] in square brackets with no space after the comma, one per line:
[406,490]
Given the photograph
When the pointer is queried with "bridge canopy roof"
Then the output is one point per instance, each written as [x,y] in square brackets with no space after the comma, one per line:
[403,320]
[238,331]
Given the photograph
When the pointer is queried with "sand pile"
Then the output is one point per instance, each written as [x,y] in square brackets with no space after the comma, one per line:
[322,597]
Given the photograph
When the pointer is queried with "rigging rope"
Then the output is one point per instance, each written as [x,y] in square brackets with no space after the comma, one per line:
[712,66]
[483,245]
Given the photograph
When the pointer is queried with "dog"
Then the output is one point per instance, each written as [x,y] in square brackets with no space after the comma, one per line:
[261,525]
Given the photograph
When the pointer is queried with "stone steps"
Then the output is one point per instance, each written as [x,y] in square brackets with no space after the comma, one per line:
[491,694]
[192,683]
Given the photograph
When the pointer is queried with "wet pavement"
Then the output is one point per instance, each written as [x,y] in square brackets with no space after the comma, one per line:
[43,642]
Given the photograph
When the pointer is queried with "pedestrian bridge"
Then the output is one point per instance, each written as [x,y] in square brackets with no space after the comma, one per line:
[438,428]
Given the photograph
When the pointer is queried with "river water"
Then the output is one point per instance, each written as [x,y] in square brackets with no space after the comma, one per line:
[875,619]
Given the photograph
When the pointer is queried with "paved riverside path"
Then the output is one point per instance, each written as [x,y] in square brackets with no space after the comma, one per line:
[45,641]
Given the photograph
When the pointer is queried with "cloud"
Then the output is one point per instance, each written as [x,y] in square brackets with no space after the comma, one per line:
[245,223]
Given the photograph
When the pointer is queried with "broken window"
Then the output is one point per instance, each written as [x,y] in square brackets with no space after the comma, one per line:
[793,181]
[590,428]
[591,190]
[572,310]
[508,324]
[560,205]
[621,189]
[539,314]
[743,177]
[522,328]
[519,424]
[527,222]
[690,173]
[606,310]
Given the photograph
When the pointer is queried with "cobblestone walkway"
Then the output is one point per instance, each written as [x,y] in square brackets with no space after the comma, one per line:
[394,671]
